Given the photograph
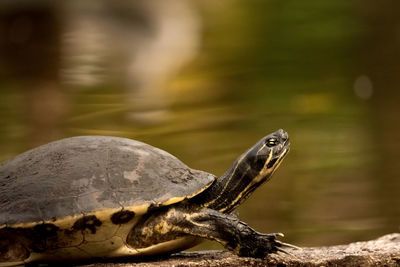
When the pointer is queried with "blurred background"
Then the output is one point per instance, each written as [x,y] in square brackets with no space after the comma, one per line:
[204,80]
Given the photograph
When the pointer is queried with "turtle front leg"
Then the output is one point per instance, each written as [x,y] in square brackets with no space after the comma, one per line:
[176,222]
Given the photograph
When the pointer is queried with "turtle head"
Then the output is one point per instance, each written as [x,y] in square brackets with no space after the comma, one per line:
[248,172]
[266,155]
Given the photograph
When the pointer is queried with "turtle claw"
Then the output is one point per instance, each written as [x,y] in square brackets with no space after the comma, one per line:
[278,246]
[284,251]
[279,234]
[274,235]
[283,244]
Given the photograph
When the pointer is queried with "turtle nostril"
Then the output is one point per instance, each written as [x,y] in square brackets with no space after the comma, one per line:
[283,135]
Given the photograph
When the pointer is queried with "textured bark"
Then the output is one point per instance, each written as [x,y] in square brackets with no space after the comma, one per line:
[384,251]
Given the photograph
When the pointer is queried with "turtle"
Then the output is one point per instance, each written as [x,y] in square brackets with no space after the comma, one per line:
[103,197]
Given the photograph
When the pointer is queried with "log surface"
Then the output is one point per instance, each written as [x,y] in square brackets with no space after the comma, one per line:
[384,251]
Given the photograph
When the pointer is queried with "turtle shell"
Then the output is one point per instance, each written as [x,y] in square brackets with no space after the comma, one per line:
[89,174]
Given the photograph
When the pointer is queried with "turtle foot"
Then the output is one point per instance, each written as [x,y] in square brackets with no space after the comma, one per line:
[260,245]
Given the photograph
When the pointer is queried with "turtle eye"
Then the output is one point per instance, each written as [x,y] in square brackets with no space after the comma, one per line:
[272,142]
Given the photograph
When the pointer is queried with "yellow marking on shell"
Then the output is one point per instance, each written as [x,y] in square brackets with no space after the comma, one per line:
[264,172]
[203,189]
[174,200]
[68,221]
[104,232]
[124,229]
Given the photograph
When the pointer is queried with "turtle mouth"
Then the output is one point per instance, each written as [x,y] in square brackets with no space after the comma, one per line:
[280,154]
[282,149]
[286,142]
